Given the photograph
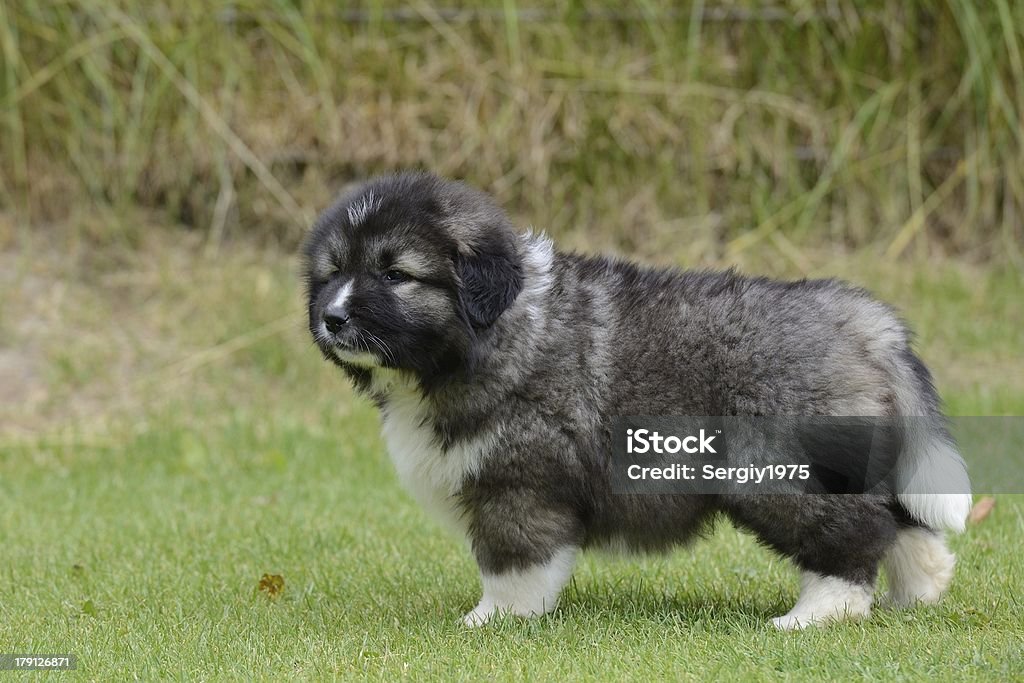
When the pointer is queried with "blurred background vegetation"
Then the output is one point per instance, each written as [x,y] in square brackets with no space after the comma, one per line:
[650,127]
[160,162]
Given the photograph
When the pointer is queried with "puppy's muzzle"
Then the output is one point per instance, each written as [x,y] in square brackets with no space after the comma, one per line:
[336,319]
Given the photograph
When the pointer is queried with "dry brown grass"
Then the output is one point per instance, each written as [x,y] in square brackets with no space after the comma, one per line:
[705,131]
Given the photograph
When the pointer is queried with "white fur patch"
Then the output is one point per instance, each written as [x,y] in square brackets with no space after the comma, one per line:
[363,207]
[526,592]
[342,296]
[931,465]
[823,599]
[538,255]
[938,510]
[360,358]
[431,475]
[919,568]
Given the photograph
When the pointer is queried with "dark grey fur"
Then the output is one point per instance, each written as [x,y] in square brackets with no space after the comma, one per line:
[546,369]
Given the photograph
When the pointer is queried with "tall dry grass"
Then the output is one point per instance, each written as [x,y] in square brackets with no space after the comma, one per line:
[716,128]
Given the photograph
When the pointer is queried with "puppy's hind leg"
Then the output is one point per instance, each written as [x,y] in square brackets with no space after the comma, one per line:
[837,541]
[919,568]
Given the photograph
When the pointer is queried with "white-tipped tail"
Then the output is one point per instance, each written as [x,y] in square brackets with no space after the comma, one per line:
[938,510]
[932,480]
[931,477]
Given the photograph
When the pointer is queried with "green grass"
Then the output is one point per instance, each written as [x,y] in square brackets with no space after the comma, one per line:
[143,559]
[190,440]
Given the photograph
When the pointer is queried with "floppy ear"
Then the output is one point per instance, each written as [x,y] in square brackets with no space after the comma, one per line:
[491,278]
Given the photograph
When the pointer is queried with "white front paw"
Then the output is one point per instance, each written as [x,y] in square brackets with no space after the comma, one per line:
[789,622]
[480,615]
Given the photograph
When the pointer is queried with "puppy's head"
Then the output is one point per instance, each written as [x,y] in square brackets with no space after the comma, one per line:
[407,272]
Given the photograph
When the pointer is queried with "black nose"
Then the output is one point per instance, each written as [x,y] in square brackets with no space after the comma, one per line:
[335,318]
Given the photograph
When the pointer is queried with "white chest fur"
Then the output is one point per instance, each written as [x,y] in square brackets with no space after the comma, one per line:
[432,475]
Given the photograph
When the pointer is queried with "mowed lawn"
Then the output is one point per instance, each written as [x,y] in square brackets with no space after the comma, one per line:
[180,439]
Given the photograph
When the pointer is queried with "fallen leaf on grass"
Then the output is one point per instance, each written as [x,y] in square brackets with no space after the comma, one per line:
[981,509]
[272,585]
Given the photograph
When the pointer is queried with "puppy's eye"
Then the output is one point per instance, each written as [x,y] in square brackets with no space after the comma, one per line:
[395,276]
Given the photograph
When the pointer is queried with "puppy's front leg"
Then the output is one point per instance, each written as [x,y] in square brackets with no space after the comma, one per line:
[526,550]
[529,591]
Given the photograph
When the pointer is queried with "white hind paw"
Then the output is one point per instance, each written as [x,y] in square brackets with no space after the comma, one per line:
[919,567]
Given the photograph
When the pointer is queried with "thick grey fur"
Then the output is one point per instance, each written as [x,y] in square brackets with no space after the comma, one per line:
[538,354]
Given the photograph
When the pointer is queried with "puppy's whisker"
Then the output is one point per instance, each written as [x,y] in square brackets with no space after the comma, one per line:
[320,338]
[384,348]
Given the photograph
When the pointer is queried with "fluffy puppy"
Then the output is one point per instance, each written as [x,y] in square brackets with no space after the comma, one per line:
[499,363]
